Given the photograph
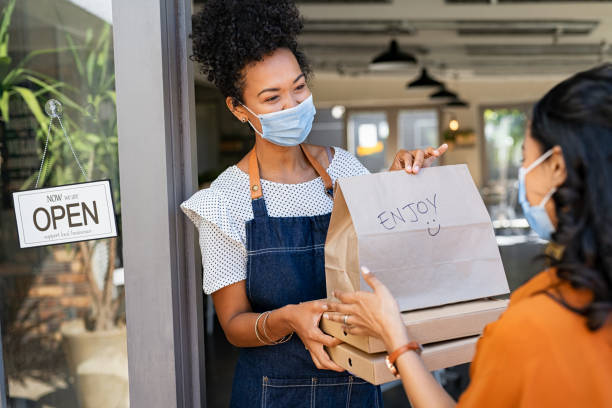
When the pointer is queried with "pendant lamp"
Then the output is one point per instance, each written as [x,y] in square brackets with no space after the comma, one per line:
[457,103]
[393,58]
[444,93]
[424,81]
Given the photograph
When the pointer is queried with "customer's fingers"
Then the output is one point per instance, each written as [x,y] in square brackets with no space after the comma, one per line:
[370,278]
[356,330]
[339,316]
[340,308]
[346,297]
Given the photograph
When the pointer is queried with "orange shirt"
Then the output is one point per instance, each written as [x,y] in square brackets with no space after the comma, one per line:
[540,354]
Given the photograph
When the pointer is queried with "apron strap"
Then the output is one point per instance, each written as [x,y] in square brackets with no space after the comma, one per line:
[255,180]
[327,181]
[329,154]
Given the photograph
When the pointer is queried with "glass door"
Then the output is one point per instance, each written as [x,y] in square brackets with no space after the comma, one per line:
[61,307]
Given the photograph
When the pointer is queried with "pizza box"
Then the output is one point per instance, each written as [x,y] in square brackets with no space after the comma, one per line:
[372,367]
[430,325]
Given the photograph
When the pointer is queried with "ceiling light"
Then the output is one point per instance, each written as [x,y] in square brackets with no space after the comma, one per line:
[337,111]
[443,93]
[457,103]
[393,58]
[424,81]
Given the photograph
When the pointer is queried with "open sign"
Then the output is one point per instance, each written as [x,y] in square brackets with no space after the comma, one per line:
[69,213]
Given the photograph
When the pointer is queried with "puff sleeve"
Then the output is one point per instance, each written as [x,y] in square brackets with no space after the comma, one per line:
[224,255]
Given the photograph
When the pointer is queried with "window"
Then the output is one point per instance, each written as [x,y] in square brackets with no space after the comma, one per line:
[417,129]
[368,133]
[52,295]
[504,131]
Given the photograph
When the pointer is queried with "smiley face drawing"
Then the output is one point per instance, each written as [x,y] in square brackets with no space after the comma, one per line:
[433,229]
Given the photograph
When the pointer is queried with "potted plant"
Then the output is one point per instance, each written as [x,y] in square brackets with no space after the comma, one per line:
[95,347]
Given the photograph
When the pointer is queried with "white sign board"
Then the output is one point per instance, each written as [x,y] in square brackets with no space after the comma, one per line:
[69,213]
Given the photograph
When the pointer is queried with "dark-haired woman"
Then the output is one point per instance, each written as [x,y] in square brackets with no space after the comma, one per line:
[553,345]
[263,222]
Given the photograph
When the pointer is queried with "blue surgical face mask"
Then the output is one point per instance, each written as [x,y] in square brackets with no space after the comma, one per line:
[288,127]
[537,217]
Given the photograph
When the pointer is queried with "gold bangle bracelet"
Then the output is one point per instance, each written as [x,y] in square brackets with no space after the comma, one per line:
[257,331]
[284,339]
[263,325]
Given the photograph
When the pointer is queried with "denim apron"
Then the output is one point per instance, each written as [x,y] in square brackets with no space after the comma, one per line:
[286,265]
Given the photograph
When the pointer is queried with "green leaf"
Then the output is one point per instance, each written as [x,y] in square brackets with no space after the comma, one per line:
[4,106]
[36,53]
[90,68]
[75,55]
[30,100]
[88,35]
[12,78]
[4,25]
[93,138]
[52,89]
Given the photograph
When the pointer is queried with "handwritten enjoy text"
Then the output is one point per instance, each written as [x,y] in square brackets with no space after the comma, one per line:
[412,212]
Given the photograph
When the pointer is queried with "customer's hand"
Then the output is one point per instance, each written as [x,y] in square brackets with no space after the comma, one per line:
[374,314]
[304,320]
[413,160]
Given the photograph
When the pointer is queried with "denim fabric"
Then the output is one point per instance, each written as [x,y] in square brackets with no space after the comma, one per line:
[286,265]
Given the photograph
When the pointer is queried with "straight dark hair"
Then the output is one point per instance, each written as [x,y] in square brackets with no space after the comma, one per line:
[577,115]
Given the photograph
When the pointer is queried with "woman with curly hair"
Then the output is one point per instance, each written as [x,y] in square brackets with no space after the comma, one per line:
[552,347]
[263,221]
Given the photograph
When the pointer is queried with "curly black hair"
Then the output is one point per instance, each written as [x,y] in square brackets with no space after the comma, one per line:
[577,115]
[230,34]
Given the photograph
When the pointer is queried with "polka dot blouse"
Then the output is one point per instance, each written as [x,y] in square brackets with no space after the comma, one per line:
[221,211]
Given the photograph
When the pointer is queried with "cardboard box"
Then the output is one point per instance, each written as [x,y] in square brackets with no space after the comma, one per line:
[372,367]
[431,325]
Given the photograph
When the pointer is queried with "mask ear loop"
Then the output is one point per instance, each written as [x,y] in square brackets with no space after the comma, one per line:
[254,114]
[535,164]
[539,160]
[547,197]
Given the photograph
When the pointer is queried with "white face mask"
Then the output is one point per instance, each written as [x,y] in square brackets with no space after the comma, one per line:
[537,216]
[288,127]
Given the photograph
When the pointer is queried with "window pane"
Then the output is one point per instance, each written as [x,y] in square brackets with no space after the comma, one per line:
[368,134]
[61,307]
[504,131]
[417,129]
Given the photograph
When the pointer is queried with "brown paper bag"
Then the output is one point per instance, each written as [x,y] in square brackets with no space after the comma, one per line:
[428,237]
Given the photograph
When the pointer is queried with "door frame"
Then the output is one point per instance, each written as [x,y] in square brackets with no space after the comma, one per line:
[158,171]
